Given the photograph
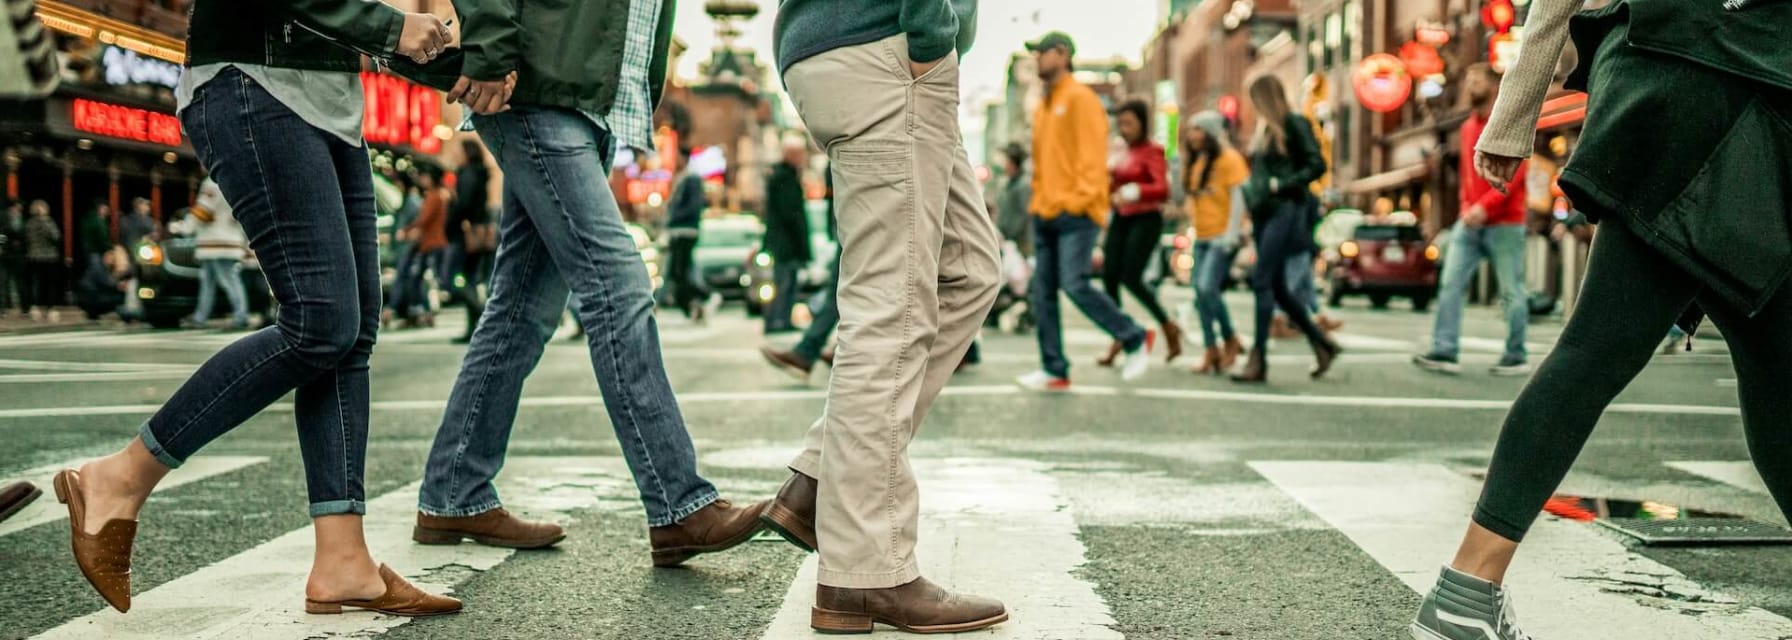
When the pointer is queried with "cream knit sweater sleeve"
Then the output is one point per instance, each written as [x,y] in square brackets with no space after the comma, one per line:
[1513,126]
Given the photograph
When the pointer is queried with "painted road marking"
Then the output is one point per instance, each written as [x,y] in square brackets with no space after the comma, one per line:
[995,527]
[1409,518]
[1741,475]
[46,509]
[89,367]
[104,376]
[260,593]
[977,390]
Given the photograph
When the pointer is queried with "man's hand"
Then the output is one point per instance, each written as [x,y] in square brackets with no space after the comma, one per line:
[1475,216]
[423,37]
[484,97]
[1496,170]
[918,69]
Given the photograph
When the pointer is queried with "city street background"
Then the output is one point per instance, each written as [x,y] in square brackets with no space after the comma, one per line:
[1178,507]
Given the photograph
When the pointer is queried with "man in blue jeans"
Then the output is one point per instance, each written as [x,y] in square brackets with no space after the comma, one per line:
[1492,228]
[554,131]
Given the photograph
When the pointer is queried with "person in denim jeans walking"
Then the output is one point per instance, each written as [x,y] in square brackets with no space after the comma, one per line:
[275,115]
[1214,179]
[1492,228]
[554,133]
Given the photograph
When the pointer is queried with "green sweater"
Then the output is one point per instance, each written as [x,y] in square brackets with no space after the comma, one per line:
[935,28]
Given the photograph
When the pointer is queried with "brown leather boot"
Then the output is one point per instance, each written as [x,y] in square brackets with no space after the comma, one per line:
[917,607]
[1210,362]
[1107,359]
[792,513]
[1172,341]
[1229,353]
[1325,352]
[717,527]
[1256,369]
[494,528]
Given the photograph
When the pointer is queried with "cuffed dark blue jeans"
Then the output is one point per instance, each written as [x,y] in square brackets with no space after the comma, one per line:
[1065,247]
[305,198]
[560,233]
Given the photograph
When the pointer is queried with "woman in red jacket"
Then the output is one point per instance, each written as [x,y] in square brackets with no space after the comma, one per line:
[1140,186]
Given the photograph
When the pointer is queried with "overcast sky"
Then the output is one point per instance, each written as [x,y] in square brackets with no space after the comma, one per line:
[1101,28]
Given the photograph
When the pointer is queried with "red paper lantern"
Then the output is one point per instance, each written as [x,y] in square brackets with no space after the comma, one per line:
[1228,106]
[1421,59]
[1499,14]
[1382,83]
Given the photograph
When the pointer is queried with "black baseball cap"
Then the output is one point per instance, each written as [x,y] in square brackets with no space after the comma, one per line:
[1053,40]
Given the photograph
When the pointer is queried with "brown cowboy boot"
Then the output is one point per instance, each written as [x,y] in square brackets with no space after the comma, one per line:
[917,607]
[792,513]
[1229,353]
[1210,362]
[717,527]
[1256,369]
[494,528]
[1172,341]
[1113,353]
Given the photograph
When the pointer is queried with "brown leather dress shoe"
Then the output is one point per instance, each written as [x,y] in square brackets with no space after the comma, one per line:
[916,607]
[495,528]
[792,513]
[788,362]
[400,599]
[104,559]
[717,527]
[16,496]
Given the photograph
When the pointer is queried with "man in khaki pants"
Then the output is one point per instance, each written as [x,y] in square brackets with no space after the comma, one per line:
[876,82]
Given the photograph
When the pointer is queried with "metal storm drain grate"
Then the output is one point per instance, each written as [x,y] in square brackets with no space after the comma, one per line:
[1659,523]
[1699,531]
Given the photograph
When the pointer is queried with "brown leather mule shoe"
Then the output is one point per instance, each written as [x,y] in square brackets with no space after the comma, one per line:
[917,607]
[105,558]
[717,527]
[400,599]
[792,513]
[494,528]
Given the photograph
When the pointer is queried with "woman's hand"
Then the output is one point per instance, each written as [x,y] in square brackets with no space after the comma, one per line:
[1496,170]
[423,37]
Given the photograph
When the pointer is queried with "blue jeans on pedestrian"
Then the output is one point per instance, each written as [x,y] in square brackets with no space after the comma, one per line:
[785,289]
[1212,263]
[1504,246]
[1064,248]
[225,273]
[827,315]
[561,233]
[305,198]
[1300,278]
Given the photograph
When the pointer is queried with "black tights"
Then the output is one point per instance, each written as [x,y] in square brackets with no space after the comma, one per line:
[1132,244]
[1631,297]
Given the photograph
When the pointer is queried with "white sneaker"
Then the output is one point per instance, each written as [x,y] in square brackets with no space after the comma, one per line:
[1138,361]
[1042,381]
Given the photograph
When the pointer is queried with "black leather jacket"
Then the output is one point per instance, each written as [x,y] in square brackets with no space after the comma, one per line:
[322,35]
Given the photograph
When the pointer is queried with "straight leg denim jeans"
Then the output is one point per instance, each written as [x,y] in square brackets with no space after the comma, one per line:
[305,198]
[1504,246]
[1066,248]
[561,234]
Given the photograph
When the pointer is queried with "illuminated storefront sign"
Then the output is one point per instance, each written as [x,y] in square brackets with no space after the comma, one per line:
[400,113]
[127,123]
[126,67]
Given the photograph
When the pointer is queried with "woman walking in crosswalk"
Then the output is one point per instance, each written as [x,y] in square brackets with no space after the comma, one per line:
[275,114]
[1701,230]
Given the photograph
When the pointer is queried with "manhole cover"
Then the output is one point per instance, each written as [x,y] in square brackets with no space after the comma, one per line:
[1699,531]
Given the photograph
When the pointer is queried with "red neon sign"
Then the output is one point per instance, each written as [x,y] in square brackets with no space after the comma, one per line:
[400,113]
[127,123]
[1382,83]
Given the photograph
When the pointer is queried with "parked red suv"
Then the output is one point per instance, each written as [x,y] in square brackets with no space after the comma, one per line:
[1383,261]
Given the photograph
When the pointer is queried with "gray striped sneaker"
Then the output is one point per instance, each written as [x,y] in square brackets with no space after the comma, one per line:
[1463,607]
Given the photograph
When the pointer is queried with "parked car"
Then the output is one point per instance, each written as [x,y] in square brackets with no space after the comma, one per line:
[757,282]
[168,283]
[1384,261]
[724,251]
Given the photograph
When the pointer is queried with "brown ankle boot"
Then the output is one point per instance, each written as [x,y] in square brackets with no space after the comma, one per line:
[1256,369]
[1325,352]
[717,527]
[917,607]
[1210,362]
[494,528]
[1229,353]
[1172,341]
[1107,359]
[792,513]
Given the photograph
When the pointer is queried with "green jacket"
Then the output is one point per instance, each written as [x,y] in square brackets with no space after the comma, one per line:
[292,34]
[786,216]
[565,53]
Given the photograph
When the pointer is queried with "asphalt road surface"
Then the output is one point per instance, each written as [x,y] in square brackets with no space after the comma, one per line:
[1177,507]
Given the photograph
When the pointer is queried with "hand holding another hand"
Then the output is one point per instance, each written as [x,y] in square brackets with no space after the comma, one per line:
[484,97]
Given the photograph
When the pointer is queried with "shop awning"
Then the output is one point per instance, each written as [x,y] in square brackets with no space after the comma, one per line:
[1387,180]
